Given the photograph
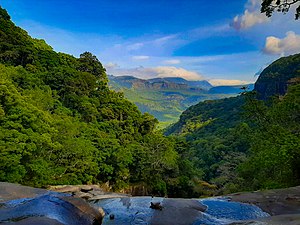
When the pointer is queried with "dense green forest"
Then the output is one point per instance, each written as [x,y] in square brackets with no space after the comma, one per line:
[251,141]
[167,98]
[61,124]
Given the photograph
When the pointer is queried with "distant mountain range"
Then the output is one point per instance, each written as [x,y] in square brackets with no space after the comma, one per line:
[174,83]
[166,98]
[159,83]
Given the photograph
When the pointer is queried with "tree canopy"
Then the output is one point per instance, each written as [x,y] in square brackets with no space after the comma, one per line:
[270,6]
[61,124]
[251,141]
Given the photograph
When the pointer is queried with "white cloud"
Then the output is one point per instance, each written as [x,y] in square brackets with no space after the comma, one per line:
[172,61]
[135,46]
[248,19]
[163,40]
[140,57]
[223,82]
[163,71]
[251,17]
[177,72]
[204,32]
[286,46]
[111,65]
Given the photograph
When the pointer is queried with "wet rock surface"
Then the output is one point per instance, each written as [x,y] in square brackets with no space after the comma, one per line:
[138,210]
[282,204]
[25,205]
[69,205]
[179,211]
[35,221]
[87,192]
[9,191]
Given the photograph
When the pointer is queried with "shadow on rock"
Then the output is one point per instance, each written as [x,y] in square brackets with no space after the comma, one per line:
[49,208]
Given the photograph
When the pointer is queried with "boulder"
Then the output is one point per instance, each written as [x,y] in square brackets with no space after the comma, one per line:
[25,205]
[178,211]
[275,202]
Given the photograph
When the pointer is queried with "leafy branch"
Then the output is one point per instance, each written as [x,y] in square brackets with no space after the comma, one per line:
[283,6]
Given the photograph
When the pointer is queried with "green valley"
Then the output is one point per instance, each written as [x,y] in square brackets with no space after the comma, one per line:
[167,98]
[60,123]
[251,141]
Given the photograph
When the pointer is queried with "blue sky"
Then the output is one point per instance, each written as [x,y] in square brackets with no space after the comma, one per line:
[226,42]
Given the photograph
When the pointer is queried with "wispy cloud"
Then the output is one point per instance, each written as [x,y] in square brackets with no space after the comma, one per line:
[140,57]
[154,72]
[224,82]
[251,16]
[288,45]
[165,39]
[172,61]
[155,52]
[135,46]
[207,31]
[111,66]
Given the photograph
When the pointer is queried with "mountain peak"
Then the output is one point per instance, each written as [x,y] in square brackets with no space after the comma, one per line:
[274,80]
[160,83]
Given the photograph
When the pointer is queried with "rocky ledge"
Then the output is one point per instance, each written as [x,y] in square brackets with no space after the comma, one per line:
[68,205]
[282,204]
[32,206]
[87,192]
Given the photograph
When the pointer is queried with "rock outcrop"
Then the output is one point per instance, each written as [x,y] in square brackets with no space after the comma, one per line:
[25,205]
[87,192]
[274,80]
[282,204]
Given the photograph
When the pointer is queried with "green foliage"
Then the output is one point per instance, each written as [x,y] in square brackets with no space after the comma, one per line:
[274,160]
[4,15]
[243,143]
[166,104]
[61,124]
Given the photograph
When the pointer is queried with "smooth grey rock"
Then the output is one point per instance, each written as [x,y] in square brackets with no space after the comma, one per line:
[136,210]
[34,221]
[83,195]
[274,202]
[108,195]
[178,211]
[27,205]
[65,188]
[9,191]
[86,189]
[96,193]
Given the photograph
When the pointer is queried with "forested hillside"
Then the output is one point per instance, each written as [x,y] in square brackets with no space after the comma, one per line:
[243,143]
[60,123]
[166,98]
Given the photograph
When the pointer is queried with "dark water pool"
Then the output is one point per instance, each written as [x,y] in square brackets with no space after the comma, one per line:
[221,211]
